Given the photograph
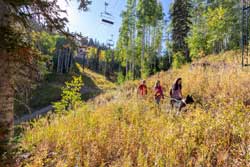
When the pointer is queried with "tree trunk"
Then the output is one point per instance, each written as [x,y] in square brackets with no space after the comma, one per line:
[127,66]
[6,103]
[6,86]
[58,60]
[97,60]
[143,50]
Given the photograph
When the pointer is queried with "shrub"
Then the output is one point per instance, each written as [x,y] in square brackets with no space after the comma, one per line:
[120,78]
[129,76]
[71,95]
[197,43]
[178,60]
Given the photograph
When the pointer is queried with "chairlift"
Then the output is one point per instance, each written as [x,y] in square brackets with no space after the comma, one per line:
[106,17]
[110,42]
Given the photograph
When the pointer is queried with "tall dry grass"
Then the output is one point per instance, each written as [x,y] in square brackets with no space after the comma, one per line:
[119,129]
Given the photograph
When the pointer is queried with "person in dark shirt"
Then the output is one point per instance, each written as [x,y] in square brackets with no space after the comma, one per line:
[176,90]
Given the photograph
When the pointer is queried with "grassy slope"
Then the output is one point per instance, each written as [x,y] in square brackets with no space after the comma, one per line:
[94,83]
[47,91]
[50,89]
[117,129]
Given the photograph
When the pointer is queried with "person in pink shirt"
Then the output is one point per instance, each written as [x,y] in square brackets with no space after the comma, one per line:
[158,92]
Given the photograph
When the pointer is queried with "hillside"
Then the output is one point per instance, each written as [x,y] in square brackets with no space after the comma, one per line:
[50,89]
[118,129]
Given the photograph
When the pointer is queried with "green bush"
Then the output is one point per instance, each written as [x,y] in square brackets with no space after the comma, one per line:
[129,76]
[178,60]
[71,95]
[145,70]
[120,78]
[197,44]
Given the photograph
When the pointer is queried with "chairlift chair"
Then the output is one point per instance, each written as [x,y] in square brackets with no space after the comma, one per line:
[110,42]
[106,17]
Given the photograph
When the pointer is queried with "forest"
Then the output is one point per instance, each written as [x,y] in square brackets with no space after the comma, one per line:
[66,75]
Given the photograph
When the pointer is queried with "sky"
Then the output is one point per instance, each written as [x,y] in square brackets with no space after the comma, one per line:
[89,23]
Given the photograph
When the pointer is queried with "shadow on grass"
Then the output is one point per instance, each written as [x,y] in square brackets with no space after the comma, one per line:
[49,90]
[46,92]
[89,89]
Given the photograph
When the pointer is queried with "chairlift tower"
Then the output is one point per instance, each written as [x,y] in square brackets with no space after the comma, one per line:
[245,33]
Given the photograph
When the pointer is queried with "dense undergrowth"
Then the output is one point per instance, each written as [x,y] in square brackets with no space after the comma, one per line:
[119,129]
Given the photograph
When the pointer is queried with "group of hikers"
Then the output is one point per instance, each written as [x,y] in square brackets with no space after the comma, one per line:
[175,91]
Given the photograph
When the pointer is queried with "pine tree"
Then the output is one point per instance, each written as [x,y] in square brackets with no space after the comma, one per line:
[17,55]
[180,26]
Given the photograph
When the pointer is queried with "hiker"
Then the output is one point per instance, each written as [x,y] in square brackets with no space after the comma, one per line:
[158,92]
[142,89]
[175,91]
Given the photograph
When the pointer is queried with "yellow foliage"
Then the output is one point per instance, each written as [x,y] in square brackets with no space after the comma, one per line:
[119,129]
[102,55]
[98,80]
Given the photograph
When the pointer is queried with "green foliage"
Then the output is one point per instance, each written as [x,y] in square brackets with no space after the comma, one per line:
[45,42]
[197,43]
[180,16]
[145,70]
[178,60]
[140,37]
[71,96]
[49,90]
[120,78]
[108,55]
[215,28]
[129,76]
[217,23]
[165,62]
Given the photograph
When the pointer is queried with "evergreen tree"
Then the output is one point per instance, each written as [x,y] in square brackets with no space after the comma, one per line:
[17,55]
[181,25]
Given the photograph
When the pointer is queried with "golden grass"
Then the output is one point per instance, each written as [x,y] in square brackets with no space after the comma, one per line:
[118,129]
[99,80]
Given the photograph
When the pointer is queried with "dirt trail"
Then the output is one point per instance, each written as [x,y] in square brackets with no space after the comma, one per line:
[33,115]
